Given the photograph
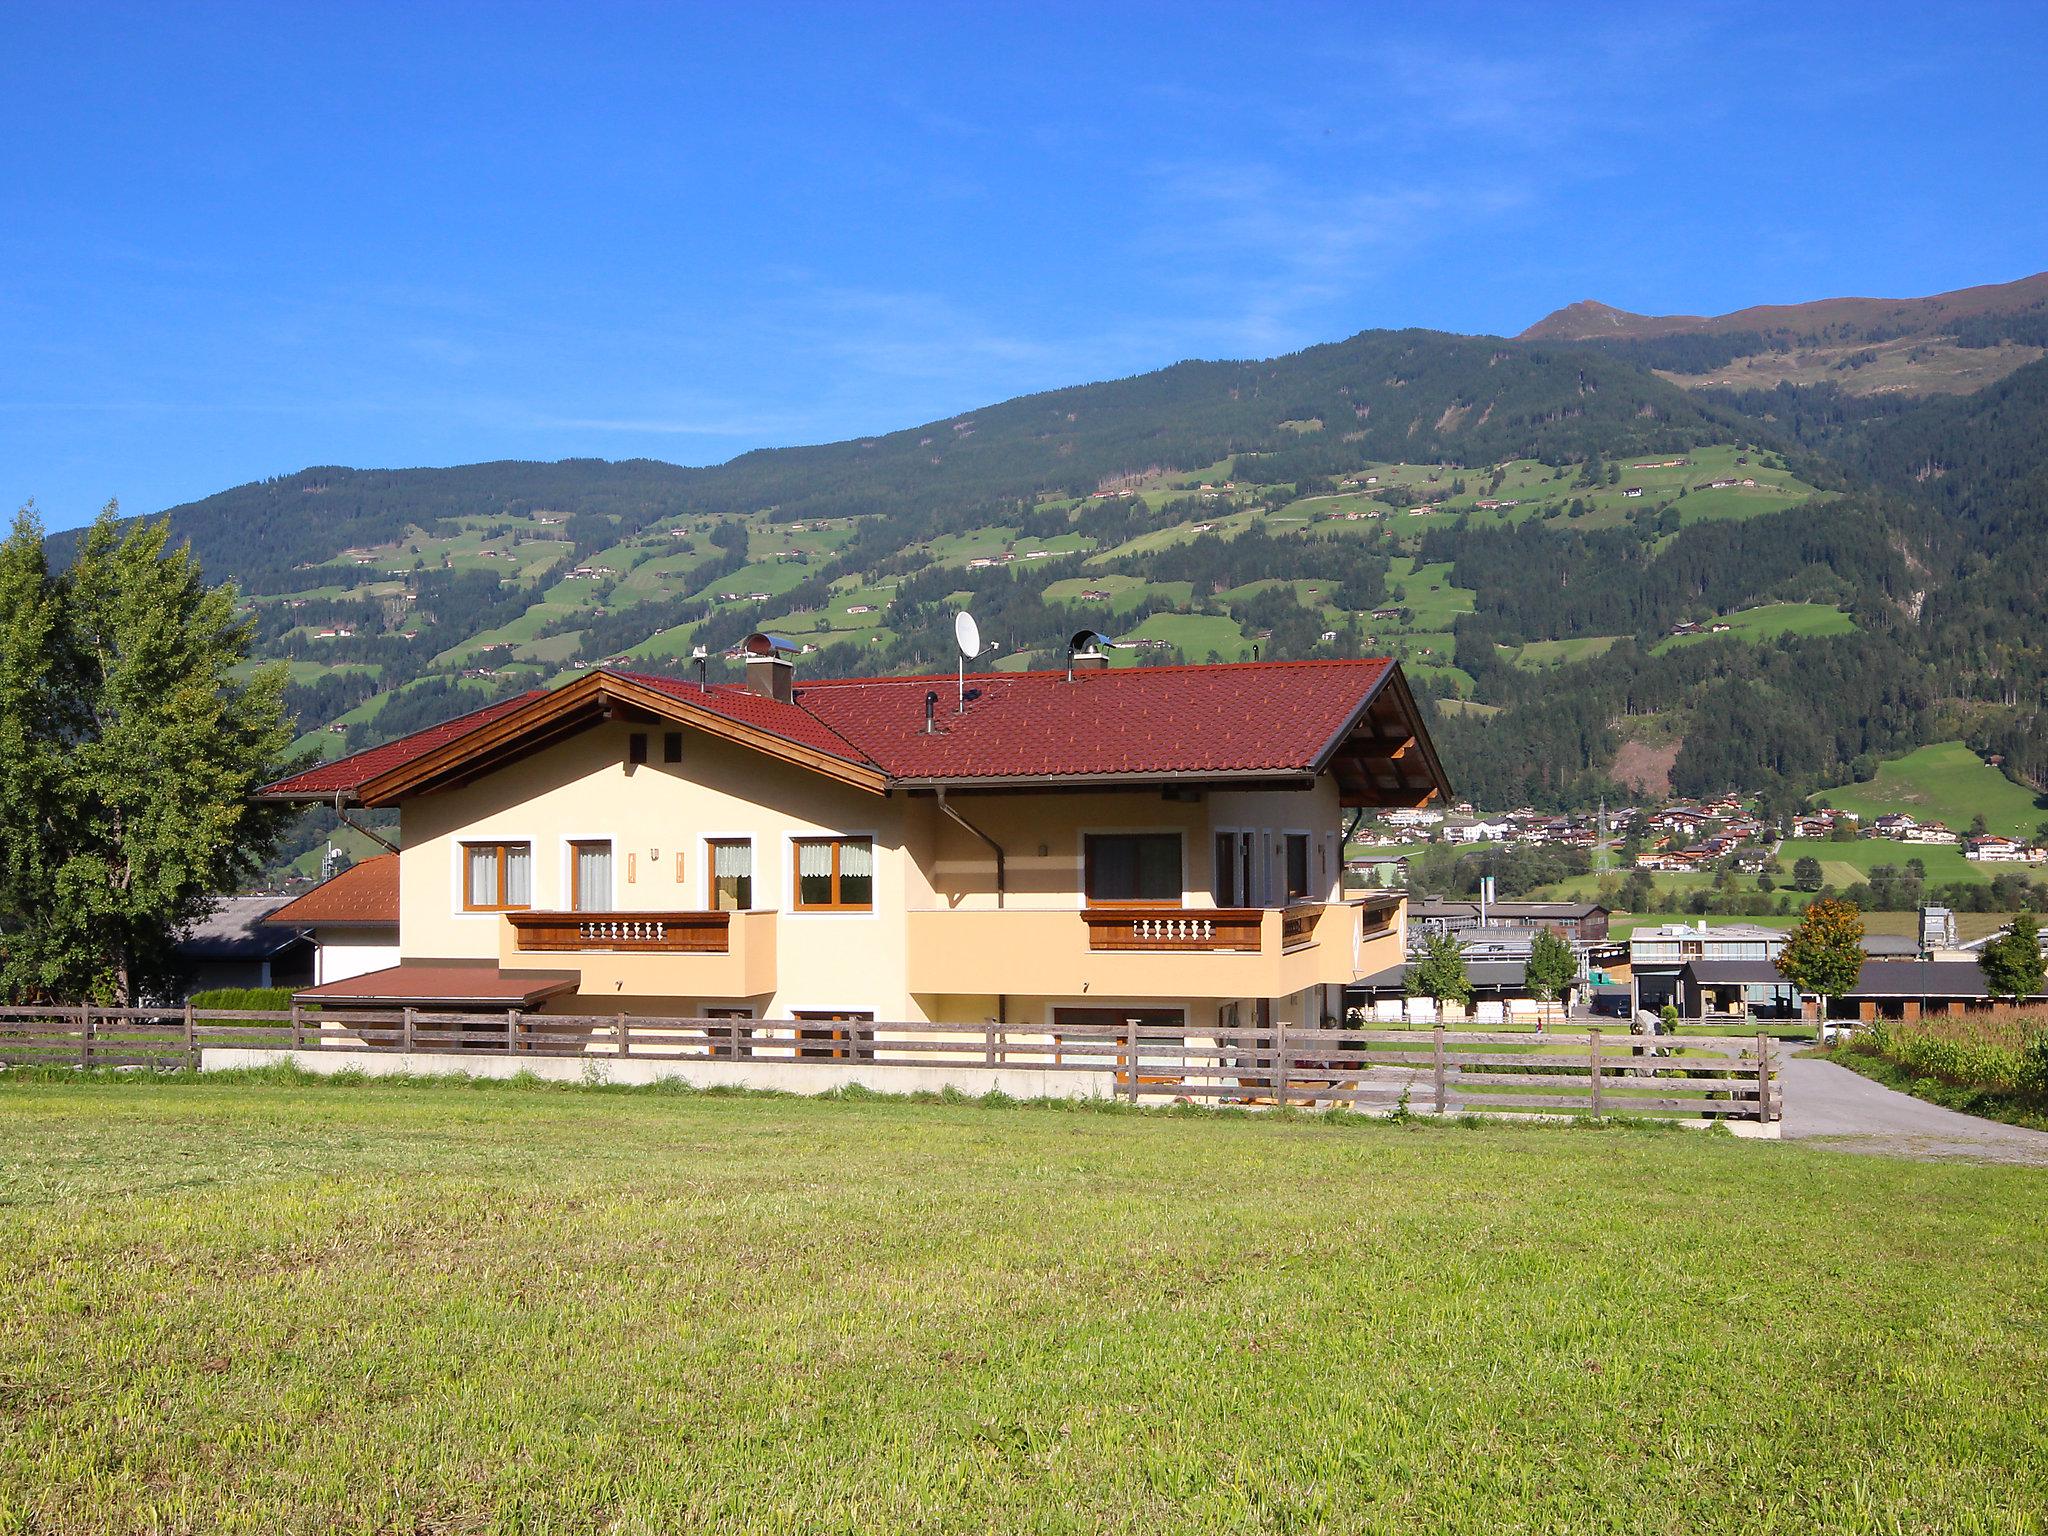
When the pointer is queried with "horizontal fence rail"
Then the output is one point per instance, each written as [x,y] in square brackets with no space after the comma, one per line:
[1427,1070]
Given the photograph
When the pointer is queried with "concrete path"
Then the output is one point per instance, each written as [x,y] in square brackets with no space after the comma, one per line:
[1834,1107]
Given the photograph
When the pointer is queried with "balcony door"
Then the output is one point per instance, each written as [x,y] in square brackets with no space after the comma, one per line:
[1132,868]
[1235,856]
[592,886]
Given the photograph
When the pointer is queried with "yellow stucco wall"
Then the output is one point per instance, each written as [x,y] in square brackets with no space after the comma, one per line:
[934,932]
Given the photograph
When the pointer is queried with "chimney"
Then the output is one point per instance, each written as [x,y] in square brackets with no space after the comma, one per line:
[1089,661]
[771,677]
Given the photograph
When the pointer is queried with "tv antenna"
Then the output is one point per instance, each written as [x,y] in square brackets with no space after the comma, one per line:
[967,636]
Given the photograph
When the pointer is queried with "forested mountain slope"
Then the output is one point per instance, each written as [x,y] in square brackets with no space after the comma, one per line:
[1587,566]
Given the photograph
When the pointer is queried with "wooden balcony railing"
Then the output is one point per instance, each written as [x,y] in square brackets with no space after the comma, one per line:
[1174,929]
[686,933]
[1298,925]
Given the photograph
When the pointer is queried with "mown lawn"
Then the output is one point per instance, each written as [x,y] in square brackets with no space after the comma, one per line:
[263,1307]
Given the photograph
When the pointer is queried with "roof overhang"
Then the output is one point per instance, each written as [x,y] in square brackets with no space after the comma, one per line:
[1382,756]
[443,984]
[590,700]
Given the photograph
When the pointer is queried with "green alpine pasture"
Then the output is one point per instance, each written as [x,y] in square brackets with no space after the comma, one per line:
[1758,626]
[261,1305]
[1945,782]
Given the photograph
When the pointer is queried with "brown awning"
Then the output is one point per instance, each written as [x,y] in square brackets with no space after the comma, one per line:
[443,984]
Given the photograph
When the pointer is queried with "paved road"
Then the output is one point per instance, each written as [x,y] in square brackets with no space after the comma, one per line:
[1832,1106]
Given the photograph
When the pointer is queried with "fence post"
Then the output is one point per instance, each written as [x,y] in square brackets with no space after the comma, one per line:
[1131,1055]
[406,1039]
[1593,1064]
[625,1040]
[1280,1049]
[1763,1078]
[988,1043]
[512,1032]
[298,1028]
[191,1039]
[85,1034]
[1437,1066]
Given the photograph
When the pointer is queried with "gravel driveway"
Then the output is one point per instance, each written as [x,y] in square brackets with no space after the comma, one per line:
[1834,1107]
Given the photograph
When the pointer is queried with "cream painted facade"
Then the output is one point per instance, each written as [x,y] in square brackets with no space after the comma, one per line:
[937,944]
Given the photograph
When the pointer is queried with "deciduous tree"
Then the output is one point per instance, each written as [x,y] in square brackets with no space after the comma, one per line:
[1440,973]
[1824,954]
[2012,963]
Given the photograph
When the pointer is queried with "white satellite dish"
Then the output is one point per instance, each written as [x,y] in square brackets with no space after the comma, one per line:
[966,635]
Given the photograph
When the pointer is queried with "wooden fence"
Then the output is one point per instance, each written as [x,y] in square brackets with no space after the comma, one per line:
[1429,1070]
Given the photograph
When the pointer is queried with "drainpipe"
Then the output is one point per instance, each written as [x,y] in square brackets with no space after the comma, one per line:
[994,846]
[375,837]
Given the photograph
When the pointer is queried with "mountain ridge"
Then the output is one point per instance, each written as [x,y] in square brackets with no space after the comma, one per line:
[1593,320]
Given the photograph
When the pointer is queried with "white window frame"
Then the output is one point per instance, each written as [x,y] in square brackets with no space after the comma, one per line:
[708,884]
[567,870]
[790,909]
[458,867]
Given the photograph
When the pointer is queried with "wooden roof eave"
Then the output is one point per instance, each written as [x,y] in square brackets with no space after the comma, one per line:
[1402,764]
[565,711]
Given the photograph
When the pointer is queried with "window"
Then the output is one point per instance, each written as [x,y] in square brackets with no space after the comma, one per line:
[1132,866]
[497,877]
[1297,866]
[636,747]
[591,890]
[732,875]
[672,747]
[835,874]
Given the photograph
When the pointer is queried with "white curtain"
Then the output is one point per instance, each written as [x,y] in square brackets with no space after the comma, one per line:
[814,859]
[519,875]
[593,877]
[856,859]
[483,877]
[732,876]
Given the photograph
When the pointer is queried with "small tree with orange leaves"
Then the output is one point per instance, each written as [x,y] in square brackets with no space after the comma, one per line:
[1824,954]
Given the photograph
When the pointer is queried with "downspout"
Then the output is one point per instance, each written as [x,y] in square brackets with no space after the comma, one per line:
[356,826]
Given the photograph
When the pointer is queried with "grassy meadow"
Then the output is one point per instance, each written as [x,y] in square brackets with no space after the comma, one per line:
[265,1305]
[1945,782]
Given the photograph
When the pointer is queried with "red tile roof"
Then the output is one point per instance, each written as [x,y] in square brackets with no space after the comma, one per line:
[430,982]
[358,767]
[363,895]
[1194,720]
[1187,721]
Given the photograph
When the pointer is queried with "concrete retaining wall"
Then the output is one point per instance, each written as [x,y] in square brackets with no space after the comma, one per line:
[808,1078]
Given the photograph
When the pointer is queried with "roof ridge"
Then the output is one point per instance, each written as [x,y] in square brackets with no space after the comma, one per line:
[1060,672]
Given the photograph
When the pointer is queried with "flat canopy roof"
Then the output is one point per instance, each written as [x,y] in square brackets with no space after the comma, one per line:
[444,984]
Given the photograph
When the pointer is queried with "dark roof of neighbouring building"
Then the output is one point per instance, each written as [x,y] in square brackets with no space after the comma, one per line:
[237,929]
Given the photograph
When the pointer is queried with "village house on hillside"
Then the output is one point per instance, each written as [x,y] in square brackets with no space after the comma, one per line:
[1056,849]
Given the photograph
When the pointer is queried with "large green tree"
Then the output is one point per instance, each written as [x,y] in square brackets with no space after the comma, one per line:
[128,751]
[2012,962]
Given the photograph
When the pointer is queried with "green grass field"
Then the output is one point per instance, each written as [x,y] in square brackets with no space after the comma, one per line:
[1945,782]
[242,1307]
[1755,626]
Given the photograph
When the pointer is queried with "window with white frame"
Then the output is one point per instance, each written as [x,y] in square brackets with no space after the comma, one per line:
[497,877]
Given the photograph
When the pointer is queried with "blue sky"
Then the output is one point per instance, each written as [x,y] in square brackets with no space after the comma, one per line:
[238,241]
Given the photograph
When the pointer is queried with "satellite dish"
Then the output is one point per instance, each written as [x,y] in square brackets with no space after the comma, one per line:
[967,635]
